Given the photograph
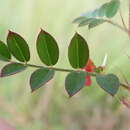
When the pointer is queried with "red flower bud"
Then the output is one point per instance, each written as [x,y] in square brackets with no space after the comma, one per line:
[90,67]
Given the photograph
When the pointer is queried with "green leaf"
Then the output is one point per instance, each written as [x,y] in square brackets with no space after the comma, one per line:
[95,22]
[40,77]
[112,8]
[4,52]
[108,9]
[47,48]
[18,47]
[74,82]
[86,16]
[86,22]
[110,83]
[78,52]
[92,22]
[92,18]
[11,69]
[91,14]
[102,10]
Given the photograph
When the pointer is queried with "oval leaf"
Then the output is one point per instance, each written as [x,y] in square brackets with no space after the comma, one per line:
[102,10]
[47,48]
[112,8]
[86,22]
[4,52]
[110,83]
[11,69]
[18,47]
[40,77]
[78,52]
[95,22]
[74,82]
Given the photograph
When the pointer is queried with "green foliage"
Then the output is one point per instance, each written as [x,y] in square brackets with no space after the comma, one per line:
[74,82]
[110,83]
[112,8]
[40,77]
[86,22]
[18,47]
[12,68]
[48,52]
[78,52]
[96,17]
[91,22]
[95,23]
[4,52]
[29,111]
[102,10]
[47,48]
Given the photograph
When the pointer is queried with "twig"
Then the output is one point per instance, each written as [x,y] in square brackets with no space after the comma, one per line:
[69,70]
[122,19]
[117,25]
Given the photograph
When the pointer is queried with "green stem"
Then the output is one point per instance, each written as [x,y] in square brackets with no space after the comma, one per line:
[57,69]
[68,70]
[53,68]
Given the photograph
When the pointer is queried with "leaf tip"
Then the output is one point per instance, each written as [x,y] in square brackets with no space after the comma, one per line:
[76,33]
[43,31]
[10,32]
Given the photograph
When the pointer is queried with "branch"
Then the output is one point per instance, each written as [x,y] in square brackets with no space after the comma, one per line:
[122,19]
[70,70]
[117,25]
[125,86]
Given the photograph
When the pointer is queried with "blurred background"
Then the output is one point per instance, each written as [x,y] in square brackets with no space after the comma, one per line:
[50,108]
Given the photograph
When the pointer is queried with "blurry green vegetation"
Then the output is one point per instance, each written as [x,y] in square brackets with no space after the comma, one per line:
[49,108]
